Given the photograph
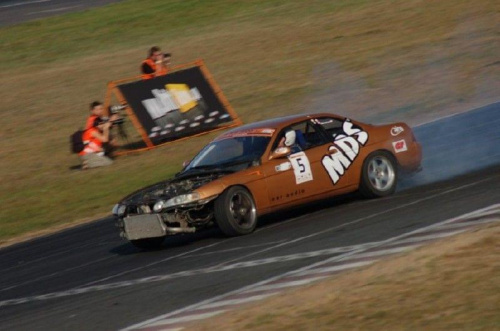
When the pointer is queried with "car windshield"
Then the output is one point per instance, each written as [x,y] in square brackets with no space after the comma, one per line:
[230,152]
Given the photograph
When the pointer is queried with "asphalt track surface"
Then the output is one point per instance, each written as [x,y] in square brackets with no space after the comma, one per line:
[19,11]
[87,278]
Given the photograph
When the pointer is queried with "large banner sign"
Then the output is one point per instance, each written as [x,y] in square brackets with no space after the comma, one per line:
[180,104]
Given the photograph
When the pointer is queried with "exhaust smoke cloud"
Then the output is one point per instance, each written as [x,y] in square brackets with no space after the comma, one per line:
[457,145]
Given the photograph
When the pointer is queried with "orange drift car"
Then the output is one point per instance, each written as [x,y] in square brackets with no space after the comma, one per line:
[265,166]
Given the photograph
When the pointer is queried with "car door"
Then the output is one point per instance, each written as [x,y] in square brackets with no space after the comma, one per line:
[300,175]
[346,141]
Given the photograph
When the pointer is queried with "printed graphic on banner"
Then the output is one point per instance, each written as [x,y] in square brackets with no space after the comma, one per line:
[176,105]
[185,97]
[301,167]
[344,151]
[176,108]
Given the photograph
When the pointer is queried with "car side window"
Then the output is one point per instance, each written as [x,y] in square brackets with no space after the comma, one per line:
[332,126]
[307,136]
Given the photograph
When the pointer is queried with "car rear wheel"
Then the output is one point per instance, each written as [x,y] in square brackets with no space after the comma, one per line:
[379,175]
[235,211]
[148,244]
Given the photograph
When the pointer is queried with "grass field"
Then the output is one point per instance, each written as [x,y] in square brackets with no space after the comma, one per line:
[378,61]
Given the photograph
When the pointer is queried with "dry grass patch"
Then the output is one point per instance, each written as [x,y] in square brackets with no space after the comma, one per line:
[450,285]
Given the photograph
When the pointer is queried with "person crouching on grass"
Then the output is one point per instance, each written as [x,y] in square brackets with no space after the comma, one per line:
[94,138]
[97,111]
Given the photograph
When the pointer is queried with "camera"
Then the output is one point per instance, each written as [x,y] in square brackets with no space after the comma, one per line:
[118,121]
[116,108]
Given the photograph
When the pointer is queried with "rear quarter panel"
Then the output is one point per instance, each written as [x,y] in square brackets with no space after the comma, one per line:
[398,139]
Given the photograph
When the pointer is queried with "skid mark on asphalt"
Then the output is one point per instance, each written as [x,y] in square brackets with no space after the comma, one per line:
[223,251]
[342,258]
[335,228]
[46,276]
[49,257]
[227,265]
[152,264]
[186,273]
[356,258]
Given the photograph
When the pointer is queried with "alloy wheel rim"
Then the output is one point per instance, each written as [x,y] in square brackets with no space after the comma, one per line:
[242,209]
[381,173]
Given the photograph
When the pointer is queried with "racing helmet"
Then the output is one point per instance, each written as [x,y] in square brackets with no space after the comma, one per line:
[290,137]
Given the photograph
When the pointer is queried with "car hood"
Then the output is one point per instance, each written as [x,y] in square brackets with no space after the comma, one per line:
[170,188]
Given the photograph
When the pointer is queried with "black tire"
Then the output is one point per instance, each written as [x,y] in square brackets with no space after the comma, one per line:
[148,244]
[379,175]
[235,211]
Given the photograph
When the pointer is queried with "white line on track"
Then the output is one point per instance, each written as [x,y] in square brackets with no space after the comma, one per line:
[335,268]
[55,10]
[155,263]
[234,249]
[45,276]
[35,280]
[429,237]
[190,318]
[286,284]
[351,222]
[236,301]
[17,4]
[466,224]
[23,265]
[187,273]
[191,311]
[224,266]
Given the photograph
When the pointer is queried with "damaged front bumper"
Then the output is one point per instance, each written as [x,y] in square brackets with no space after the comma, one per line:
[143,226]
[140,222]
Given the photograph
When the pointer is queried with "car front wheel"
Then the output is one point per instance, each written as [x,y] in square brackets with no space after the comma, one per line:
[379,175]
[235,211]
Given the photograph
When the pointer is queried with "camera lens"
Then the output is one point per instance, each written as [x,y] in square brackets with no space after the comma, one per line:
[116,108]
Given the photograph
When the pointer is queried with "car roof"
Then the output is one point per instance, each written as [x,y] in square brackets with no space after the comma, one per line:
[276,123]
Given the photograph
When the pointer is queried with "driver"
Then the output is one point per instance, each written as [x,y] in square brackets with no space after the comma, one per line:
[290,140]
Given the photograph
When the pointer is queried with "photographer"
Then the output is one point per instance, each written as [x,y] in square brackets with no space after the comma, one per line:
[95,137]
[97,111]
[156,64]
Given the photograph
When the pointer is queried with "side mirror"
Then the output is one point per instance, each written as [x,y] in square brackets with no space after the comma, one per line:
[280,153]
[185,163]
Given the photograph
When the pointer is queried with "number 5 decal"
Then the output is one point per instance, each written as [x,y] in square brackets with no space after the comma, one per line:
[301,167]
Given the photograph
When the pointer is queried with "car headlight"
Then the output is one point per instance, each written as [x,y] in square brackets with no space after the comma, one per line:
[159,205]
[119,210]
[182,199]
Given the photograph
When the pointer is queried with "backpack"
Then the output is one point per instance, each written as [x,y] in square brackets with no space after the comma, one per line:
[76,141]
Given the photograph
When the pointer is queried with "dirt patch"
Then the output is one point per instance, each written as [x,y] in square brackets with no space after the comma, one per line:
[453,284]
